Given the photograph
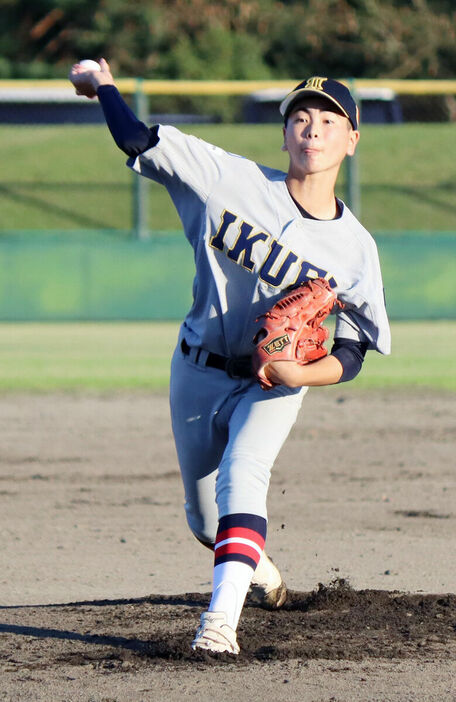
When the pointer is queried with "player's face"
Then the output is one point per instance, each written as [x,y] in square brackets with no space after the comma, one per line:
[317,137]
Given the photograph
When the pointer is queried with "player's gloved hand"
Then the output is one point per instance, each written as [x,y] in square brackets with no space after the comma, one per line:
[293,334]
[86,80]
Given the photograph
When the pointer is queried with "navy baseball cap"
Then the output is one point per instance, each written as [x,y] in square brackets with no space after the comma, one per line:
[328,88]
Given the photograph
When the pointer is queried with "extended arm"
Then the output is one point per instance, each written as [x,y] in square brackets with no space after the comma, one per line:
[130,134]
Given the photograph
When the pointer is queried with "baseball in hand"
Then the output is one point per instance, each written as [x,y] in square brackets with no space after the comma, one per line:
[88,75]
[90,65]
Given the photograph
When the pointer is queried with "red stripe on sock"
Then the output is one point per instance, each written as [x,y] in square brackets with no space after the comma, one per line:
[241,533]
[236,548]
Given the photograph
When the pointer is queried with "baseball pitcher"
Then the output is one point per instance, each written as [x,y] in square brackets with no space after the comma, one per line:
[275,253]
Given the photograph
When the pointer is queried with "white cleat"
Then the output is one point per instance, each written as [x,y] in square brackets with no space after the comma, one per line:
[214,635]
[267,586]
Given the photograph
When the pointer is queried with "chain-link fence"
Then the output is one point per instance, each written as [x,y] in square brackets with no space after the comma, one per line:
[53,278]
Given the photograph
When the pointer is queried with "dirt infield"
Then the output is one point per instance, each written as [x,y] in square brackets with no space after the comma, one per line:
[101,585]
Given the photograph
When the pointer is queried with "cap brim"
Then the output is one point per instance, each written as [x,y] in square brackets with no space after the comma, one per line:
[296,94]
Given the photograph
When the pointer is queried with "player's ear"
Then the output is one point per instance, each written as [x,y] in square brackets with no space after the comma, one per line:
[284,145]
[352,142]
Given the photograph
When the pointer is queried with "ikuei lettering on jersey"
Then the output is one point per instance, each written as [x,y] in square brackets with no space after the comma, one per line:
[277,344]
[244,246]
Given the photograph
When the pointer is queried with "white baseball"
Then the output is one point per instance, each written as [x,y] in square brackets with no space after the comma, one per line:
[90,65]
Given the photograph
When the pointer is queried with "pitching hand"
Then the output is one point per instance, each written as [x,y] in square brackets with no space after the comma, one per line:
[87,81]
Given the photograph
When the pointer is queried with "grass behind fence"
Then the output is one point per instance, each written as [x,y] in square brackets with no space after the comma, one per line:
[74,177]
[136,356]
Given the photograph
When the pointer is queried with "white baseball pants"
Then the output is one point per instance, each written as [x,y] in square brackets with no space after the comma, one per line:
[228,433]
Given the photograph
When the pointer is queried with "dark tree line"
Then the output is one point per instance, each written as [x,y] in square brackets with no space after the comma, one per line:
[231,39]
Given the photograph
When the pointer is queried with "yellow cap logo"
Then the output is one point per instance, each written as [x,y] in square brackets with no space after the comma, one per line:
[315,83]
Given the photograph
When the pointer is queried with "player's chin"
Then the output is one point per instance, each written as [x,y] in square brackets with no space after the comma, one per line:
[305,166]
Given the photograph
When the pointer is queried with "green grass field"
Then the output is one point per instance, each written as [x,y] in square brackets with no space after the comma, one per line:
[72,178]
[135,356]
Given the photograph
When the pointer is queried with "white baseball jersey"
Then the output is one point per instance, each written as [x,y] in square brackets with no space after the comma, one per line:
[251,242]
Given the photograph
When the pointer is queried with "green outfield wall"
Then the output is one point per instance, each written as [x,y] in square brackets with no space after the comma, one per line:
[101,276]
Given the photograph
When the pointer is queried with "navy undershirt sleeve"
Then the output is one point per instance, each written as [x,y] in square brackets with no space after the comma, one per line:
[130,134]
[351,354]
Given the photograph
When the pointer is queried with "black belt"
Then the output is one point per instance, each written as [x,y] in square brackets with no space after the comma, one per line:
[240,367]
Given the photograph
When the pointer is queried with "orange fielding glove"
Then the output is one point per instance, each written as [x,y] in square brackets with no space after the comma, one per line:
[292,329]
